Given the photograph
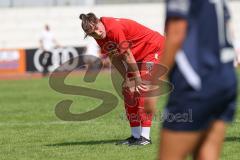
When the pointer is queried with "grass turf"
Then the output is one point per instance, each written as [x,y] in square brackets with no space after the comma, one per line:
[29,129]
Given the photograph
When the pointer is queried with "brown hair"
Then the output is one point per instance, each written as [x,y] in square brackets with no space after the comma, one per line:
[88,21]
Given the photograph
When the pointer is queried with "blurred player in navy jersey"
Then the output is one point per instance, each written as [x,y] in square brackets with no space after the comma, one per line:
[200,56]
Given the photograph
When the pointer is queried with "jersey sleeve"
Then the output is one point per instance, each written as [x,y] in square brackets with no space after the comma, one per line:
[177,8]
[117,36]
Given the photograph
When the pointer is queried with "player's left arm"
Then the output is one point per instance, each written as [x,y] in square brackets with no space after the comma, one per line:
[132,68]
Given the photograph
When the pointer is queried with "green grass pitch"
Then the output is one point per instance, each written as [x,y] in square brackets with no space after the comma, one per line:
[29,129]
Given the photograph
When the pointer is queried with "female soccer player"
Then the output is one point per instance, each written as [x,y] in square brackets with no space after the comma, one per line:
[133,43]
[200,58]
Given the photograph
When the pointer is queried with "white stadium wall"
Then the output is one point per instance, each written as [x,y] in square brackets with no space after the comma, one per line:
[20,27]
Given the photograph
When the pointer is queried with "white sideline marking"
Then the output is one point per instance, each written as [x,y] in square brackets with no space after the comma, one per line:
[40,123]
[65,122]
[51,123]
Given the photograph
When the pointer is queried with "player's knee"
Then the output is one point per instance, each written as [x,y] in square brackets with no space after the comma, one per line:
[207,153]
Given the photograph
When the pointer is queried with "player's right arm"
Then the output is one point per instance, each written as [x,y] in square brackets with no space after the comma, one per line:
[124,54]
[118,64]
[176,30]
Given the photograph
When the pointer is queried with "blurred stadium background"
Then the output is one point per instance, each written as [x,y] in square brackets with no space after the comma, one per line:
[23,20]
[29,128]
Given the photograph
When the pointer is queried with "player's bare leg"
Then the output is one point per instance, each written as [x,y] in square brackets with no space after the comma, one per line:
[210,149]
[177,145]
[150,102]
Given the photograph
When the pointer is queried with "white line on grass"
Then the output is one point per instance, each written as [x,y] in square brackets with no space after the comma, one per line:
[65,122]
[41,123]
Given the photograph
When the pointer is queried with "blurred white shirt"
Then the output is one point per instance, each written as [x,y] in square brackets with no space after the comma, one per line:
[47,39]
[92,48]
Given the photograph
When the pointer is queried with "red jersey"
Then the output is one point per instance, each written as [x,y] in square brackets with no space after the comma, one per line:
[122,33]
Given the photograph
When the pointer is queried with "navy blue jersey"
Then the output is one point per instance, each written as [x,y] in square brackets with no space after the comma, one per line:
[207,52]
[203,76]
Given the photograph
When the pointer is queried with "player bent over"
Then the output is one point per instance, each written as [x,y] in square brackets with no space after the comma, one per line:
[137,44]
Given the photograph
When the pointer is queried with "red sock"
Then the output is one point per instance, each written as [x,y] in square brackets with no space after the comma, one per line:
[131,107]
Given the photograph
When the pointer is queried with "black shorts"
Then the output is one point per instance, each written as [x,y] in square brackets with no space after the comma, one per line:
[191,110]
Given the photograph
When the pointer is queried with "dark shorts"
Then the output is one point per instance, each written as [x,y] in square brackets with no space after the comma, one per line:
[191,110]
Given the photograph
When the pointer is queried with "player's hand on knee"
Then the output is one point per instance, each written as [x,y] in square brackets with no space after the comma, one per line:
[128,85]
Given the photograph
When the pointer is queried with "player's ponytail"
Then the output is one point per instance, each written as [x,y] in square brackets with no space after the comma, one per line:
[82,17]
[88,20]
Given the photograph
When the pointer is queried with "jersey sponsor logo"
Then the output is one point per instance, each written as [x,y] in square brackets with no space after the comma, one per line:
[109,100]
[111,47]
